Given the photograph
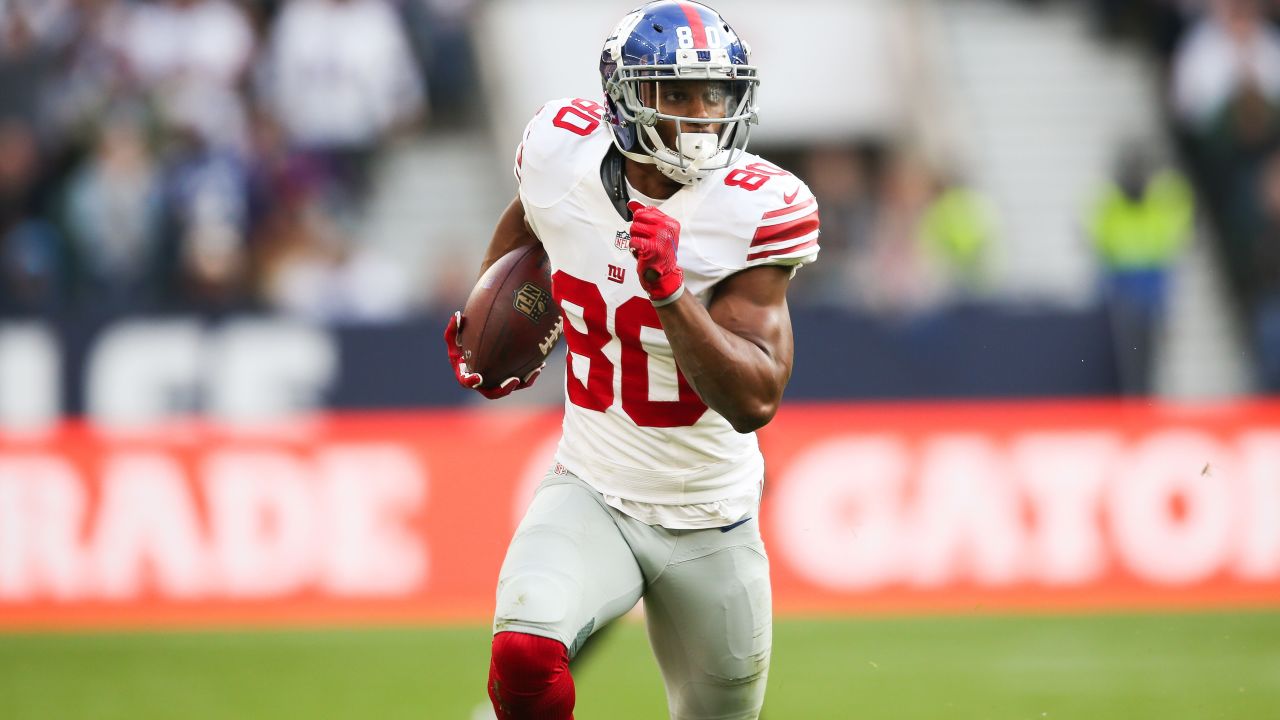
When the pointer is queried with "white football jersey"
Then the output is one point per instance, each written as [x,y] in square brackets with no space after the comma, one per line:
[633,427]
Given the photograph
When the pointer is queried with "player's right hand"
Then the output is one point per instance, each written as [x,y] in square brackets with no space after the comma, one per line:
[473,380]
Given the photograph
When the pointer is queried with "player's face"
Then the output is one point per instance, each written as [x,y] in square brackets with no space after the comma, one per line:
[697,99]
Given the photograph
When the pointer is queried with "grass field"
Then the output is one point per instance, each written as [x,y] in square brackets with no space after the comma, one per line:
[1195,666]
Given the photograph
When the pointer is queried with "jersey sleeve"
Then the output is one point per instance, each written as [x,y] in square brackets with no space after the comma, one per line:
[518,167]
[562,142]
[787,226]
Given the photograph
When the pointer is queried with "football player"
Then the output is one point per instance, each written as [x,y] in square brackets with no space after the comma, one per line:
[671,248]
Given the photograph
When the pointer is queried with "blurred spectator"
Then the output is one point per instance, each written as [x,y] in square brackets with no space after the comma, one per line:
[440,30]
[49,23]
[19,167]
[1229,56]
[339,76]
[270,166]
[207,211]
[309,265]
[1139,225]
[90,77]
[960,227]
[1226,86]
[31,259]
[1265,295]
[25,61]
[113,206]
[187,41]
[191,55]
[841,180]
[896,274]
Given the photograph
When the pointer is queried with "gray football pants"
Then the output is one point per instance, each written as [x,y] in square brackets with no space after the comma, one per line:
[576,564]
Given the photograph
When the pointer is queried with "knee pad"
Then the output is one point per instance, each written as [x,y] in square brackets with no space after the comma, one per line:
[527,664]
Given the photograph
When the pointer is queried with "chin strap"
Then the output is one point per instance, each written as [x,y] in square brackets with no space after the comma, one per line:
[612,168]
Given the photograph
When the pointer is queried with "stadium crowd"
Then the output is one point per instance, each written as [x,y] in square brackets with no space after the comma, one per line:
[1224,86]
[215,156]
[1221,63]
[205,155]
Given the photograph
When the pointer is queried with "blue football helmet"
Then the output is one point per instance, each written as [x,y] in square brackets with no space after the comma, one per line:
[676,41]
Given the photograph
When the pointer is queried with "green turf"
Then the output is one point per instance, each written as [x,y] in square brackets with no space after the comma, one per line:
[1194,666]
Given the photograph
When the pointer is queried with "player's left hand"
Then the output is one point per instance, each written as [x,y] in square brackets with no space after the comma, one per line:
[472,380]
[655,238]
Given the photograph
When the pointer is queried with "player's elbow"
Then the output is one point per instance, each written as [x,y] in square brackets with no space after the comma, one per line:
[753,417]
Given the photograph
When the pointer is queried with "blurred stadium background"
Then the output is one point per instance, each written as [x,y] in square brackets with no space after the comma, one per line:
[1029,464]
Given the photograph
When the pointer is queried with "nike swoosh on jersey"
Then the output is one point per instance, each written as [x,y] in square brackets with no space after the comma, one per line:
[727,528]
[789,198]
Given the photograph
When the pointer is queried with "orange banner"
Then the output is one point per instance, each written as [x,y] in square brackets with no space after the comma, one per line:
[395,517]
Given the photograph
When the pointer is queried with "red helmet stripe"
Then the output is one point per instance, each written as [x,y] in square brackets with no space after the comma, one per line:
[695,25]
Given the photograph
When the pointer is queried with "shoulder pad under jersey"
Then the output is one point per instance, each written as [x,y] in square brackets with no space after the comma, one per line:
[772,216]
[564,141]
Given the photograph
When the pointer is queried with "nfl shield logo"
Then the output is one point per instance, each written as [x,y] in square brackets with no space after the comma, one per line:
[622,240]
[532,301]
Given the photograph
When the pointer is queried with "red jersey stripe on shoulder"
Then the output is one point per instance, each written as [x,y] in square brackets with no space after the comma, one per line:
[789,209]
[782,250]
[790,230]
[695,25]
[785,245]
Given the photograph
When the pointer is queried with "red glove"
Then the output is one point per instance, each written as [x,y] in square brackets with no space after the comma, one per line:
[470,380]
[655,237]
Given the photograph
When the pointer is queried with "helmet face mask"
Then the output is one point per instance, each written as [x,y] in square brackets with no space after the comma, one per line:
[679,89]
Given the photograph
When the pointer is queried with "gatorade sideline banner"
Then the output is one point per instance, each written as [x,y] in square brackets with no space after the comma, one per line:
[868,508]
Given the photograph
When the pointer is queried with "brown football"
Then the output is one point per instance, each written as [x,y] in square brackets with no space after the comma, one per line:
[511,320]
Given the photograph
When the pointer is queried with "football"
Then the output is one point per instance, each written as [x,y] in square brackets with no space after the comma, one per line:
[511,320]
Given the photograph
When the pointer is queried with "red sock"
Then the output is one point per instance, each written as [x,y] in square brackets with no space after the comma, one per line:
[529,678]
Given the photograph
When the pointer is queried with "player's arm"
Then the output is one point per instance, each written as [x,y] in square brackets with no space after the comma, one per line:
[737,352]
[512,232]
